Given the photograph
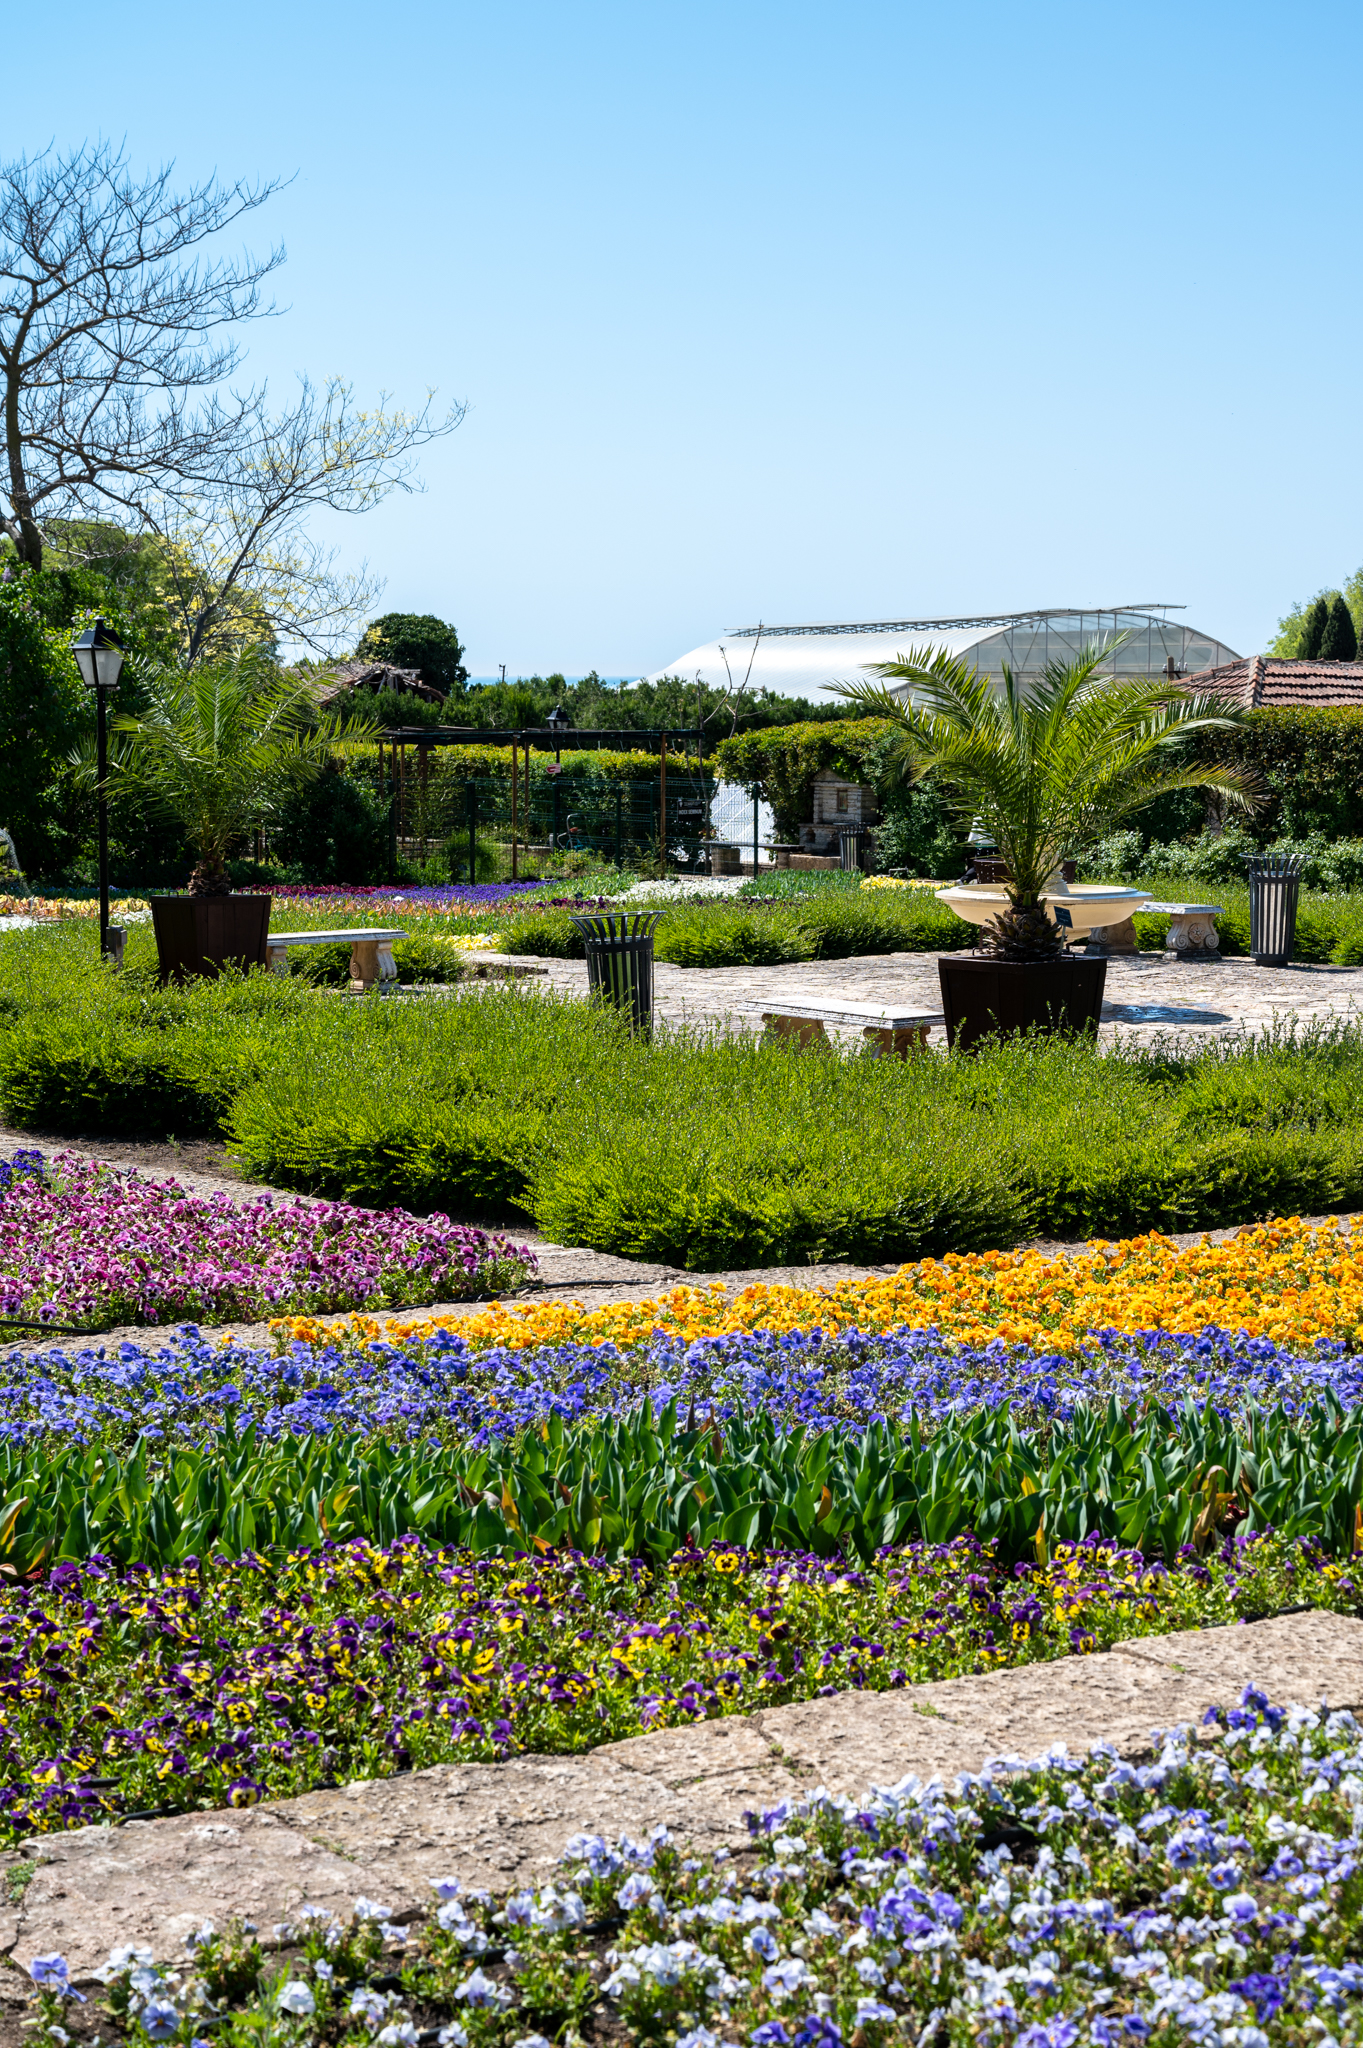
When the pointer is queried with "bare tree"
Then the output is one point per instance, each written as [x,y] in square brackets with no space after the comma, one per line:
[111,344]
[241,565]
[732,699]
[114,366]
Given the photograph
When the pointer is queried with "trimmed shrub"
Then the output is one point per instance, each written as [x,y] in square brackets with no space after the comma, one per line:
[701,935]
[441,1106]
[703,1151]
[333,829]
[845,923]
[1311,763]
[764,1157]
[547,934]
[85,1051]
[830,923]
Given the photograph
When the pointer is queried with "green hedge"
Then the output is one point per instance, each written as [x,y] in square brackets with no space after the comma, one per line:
[703,1152]
[83,1050]
[458,763]
[718,1153]
[780,764]
[820,924]
[1311,763]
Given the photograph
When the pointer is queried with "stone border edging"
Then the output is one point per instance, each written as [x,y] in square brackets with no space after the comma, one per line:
[505,1824]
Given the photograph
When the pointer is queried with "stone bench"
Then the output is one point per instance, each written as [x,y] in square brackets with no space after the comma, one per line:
[1192,931]
[800,1019]
[371,952]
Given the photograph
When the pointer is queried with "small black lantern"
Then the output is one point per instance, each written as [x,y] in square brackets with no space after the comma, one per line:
[99,657]
[558,723]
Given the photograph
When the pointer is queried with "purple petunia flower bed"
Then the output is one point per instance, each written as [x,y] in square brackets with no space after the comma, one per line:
[82,1244]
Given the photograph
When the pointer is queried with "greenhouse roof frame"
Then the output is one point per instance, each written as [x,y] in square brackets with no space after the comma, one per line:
[1056,611]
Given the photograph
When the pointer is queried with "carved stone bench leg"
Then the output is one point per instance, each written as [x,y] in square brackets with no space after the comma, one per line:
[794,1031]
[897,1044]
[1109,940]
[364,963]
[1193,938]
[387,970]
[277,958]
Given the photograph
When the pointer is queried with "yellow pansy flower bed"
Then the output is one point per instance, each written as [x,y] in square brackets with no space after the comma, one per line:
[1286,1280]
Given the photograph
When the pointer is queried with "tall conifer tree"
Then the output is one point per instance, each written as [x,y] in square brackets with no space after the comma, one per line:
[1312,630]
[1339,641]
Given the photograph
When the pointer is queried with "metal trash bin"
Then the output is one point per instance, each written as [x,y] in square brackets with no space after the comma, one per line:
[620,962]
[1274,886]
[851,844]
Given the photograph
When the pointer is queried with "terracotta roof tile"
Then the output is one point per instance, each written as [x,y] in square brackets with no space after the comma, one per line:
[1263,683]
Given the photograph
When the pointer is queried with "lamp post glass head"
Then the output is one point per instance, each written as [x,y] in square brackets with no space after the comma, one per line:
[559,719]
[99,656]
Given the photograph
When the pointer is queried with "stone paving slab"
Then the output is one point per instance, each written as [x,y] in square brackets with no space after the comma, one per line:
[1148,997]
[504,1824]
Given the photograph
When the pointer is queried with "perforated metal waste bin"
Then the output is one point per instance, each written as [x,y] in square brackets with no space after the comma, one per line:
[852,844]
[1274,885]
[620,962]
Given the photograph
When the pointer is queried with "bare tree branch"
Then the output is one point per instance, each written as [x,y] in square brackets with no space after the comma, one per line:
[110,328]
[242,565]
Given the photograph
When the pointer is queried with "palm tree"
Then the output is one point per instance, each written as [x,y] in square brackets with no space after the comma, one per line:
[217,747]
[1047,768]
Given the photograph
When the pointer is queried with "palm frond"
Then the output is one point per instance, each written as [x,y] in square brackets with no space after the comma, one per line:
[1052,764]
[218,747]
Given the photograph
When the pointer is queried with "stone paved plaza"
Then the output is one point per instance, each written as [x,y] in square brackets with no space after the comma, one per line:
[1148,997]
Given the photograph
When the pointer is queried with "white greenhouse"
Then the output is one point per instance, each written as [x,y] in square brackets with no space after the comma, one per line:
[803,661]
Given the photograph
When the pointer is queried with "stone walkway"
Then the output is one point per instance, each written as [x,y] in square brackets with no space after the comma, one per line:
[1147,998]
[571,1273]
[505,1824]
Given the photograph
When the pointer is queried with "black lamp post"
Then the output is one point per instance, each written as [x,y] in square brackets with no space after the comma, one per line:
[558,722]
[99,656]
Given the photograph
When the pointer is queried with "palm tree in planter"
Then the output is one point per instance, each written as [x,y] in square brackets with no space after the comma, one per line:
[216,748]
[1047,768]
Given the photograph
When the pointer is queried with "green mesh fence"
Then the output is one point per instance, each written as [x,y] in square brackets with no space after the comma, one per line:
[486,832]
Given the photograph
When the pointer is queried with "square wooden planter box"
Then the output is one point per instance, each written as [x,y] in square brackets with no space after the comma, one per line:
[980,996]
[198,935]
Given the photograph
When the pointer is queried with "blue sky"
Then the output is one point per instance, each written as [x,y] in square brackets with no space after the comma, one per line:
[792,311]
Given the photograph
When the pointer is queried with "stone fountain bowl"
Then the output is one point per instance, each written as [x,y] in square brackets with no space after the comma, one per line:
[1091,905]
